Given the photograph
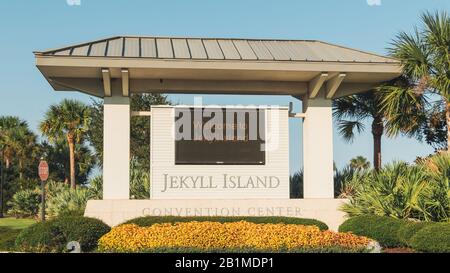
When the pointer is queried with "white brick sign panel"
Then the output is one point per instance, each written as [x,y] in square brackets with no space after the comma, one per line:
[171,181]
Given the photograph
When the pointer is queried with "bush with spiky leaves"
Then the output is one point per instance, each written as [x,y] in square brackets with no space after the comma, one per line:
[405,191]
[24,203]
[67,202]
[139,180]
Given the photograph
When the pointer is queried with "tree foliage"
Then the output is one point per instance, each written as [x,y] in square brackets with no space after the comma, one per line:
[425,57]
[140,126]
[69,120]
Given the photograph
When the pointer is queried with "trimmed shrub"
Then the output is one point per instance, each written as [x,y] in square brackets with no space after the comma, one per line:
[432,238]
[69,213]
[53,235]
[7,238]
[380,228]
[150,220]
[41,237]
[84,230]
[408,229]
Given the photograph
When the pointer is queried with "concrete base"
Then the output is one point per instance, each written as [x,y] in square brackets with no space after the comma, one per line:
[114,212]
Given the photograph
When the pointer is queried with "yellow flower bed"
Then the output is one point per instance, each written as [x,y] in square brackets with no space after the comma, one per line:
[235,235]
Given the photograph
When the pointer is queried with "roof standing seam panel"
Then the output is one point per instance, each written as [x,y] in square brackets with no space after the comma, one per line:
[294,54]
[131,47]
[302,49]
[80,51]
[218,49]
[353,55]
[115,48]
[197,49]
[320,55]
[244,50]
[164,48]
[63,52]
[180,48]
[335,54]
[260,50]
[148,48]
[98,49]
[229,50]
[277,51]
[213,49]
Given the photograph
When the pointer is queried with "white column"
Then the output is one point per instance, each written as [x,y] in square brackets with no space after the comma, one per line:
[318,148]
[116,148]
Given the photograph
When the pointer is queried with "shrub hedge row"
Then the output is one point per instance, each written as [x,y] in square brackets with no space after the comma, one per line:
[150,220]
[53,235]
[8,238]
[432,238]
[390,232]
[382,229]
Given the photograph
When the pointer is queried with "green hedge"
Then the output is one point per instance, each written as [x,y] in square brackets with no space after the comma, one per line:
[41,237]
[390,232]
[432,238]
[408,229]
[53,235]
[380,228]
[7,238]
[84,230]
[150,220]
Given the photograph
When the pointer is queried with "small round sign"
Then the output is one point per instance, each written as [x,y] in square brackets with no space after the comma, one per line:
[43,170]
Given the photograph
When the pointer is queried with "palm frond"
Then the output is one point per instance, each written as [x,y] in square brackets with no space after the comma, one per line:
[349,128]
[413,52]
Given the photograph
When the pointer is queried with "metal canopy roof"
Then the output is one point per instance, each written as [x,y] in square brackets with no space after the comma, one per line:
[217,49]
[126,64]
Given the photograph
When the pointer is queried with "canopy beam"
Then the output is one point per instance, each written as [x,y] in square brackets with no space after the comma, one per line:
[316,84]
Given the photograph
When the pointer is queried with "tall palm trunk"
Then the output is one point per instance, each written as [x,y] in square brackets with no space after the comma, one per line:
[447,118]
[7,162]
[377,132]
[1,186]
[70,141]
[20,169]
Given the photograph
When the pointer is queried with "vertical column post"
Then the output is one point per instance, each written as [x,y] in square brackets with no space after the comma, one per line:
[116,148]
[318,148]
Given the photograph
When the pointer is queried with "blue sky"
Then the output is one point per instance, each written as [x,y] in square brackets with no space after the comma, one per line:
[27,25]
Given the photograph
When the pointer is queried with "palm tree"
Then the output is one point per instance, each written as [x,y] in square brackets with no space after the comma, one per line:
[9,139]
[10,143]
[69,119]
[359,163]
[351,112]
[57,155]
[425,56]
[24,145]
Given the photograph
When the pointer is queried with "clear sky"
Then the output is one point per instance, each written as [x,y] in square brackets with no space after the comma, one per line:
[369,25]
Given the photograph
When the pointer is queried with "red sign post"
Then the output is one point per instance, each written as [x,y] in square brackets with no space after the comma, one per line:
[43,172]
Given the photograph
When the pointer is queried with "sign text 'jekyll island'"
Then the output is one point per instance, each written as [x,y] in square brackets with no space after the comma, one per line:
[225,182]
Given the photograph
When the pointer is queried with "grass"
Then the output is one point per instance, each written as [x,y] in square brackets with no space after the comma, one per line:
[9,229]
[13,223]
